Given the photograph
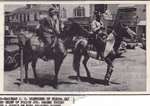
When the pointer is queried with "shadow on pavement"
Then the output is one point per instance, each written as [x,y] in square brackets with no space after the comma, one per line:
[41,82]
[92,80]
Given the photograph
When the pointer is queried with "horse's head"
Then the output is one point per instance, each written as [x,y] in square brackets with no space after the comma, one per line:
[75,29]
[72,30]
[123,30]
[67,34]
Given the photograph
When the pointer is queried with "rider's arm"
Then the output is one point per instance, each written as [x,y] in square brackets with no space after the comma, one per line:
[57,28]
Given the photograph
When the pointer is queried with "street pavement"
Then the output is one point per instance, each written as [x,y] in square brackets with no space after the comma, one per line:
[129,75]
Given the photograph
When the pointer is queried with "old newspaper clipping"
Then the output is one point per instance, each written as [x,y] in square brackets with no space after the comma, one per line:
[54,52]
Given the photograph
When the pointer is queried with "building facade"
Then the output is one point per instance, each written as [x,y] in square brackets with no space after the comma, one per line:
[29,14]
[135,15]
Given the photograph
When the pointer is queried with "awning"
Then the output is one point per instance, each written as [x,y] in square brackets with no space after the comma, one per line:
[142,23]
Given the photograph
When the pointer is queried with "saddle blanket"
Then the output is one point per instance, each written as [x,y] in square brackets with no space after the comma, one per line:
[109,44]
[92,53]
[36,43]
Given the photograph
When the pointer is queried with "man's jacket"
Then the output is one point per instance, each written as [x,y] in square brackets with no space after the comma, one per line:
[47,30]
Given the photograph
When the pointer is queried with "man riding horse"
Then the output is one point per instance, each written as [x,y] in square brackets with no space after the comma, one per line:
[45,44]
[48,31]
[98,29]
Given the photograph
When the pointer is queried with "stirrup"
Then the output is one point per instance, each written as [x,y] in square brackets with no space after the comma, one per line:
[44,58]
[102,59]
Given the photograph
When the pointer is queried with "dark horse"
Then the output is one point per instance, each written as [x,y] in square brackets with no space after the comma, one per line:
[33,48]
[81,48]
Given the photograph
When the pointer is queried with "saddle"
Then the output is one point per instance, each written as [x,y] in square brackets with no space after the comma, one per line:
[36,43]
[103,42]
[96,40]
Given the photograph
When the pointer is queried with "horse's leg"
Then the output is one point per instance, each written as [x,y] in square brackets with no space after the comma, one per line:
[108,74]
[109,70]
[76,64]
[34,67]
[85,60]
[26,72]
[57,62]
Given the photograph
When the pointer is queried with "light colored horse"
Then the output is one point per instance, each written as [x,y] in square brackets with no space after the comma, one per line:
[111,46]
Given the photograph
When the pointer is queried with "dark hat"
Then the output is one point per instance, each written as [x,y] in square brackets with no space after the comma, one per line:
[53,10]
[96,12]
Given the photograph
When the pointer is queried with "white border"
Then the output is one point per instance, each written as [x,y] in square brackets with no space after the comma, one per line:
[74,2]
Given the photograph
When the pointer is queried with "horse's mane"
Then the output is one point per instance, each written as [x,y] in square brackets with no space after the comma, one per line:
[79,30]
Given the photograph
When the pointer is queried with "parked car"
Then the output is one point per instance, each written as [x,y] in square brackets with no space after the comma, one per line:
[122,49]
[131,44]
[11,52]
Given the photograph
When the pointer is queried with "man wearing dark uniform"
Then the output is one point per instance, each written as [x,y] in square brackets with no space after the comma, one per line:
[48,31]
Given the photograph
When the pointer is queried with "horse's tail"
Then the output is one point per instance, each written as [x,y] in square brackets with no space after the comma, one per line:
[78,51]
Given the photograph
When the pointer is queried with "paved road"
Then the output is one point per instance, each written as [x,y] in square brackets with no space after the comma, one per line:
[129,75]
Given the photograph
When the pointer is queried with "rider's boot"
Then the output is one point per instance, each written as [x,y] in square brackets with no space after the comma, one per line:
[45,58]
[102,56]
[97,56]
[45,55]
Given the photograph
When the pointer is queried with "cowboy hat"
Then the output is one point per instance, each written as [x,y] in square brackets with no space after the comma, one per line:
[53,10]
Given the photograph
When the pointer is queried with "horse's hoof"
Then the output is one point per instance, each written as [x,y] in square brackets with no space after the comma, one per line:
[26,81]
[36,80]
[78,79]
[89,76]
[91,80]
[106,83]
[55,86]
[55,83]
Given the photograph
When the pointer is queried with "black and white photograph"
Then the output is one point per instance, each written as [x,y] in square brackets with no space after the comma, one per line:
[75,47]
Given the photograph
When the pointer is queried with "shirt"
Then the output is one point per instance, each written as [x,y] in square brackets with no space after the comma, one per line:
[95,25]
[48,26]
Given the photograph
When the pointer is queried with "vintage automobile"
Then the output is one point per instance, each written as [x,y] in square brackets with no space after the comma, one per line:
[11,52]
[127,15]
[131,44]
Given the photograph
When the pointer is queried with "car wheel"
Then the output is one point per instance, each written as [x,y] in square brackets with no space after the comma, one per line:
[11,60]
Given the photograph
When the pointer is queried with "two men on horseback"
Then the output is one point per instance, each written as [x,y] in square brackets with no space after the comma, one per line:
[48,31]
[98,29]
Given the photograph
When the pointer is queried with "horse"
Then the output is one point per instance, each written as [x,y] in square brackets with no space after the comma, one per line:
[110,47]
[33,49]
